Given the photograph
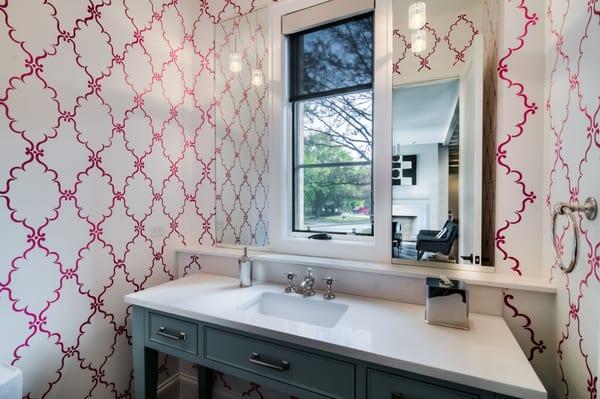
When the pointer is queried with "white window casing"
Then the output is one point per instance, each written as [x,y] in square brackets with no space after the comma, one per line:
[290,17]
[319,14]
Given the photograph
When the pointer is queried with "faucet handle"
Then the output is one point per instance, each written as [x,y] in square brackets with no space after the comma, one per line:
[329,293]
[329,281]
[290,286]
[309,272]
[290,276]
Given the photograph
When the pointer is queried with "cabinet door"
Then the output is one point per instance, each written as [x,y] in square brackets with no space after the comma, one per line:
[173,333]
[320,374]
[381,385]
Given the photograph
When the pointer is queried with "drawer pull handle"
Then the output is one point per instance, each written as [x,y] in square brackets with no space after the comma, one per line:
[396,395]
[163,333]
[255,358]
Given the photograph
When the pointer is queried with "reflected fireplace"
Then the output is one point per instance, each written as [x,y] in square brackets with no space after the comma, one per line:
[413,216]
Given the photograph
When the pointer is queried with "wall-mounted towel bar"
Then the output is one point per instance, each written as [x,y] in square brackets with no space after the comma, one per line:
[590,210]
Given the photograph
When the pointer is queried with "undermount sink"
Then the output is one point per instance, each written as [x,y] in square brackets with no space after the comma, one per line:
[296,308]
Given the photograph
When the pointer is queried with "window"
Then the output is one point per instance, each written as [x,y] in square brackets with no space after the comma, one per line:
[331,93]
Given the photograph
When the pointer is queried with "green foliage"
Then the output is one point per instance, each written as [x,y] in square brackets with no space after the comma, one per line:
[337,129]
[333,190]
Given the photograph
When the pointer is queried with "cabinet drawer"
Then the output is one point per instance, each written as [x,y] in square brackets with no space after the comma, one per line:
[381,385]
[322,375]
[173,333]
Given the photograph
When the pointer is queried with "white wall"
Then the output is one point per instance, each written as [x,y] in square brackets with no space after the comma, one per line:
[432,183]
[443,185]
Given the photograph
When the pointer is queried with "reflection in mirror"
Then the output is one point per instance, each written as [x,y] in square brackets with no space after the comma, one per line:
[440,136]
[242,121]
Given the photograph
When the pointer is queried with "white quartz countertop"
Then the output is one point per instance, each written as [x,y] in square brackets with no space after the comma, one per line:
[383,332]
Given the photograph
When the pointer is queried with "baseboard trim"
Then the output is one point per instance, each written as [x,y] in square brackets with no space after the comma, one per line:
[187,388]
[188,378]
[170,388]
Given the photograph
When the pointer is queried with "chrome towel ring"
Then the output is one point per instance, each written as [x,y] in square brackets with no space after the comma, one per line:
[590,210]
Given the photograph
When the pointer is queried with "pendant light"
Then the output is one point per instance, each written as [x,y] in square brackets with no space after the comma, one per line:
[257,75]
[235,62]
[418,41]
[417,15]
[417,18]
[235,58]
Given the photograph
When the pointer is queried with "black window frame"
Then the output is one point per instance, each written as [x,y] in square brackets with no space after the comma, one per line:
[295,100]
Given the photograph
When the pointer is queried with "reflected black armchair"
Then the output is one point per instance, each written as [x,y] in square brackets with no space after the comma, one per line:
[397,234]
[428,241]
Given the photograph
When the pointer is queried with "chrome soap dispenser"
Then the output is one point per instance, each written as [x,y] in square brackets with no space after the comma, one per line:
[245,265]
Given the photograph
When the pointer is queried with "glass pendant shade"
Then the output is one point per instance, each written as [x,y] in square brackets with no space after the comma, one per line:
[417,15]
[235,62]
[418,41]
[257,78]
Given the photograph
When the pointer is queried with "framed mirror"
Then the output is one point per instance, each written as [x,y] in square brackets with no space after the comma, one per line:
[440,202]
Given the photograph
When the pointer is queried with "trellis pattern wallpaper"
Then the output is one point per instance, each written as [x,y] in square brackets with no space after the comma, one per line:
[518,176]
[107,161]
[519,151]
[106,164]
[572,151]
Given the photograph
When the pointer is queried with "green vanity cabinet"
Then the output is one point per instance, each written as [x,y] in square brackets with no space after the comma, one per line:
[172,332]
[387,385]
[299,371]
[320,374]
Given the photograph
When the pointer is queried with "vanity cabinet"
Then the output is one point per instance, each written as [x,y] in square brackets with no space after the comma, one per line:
[299,371]
[387,385]
[316,373]
[173,333]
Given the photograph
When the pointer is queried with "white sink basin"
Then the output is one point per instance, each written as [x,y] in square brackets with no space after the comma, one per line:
[296,308]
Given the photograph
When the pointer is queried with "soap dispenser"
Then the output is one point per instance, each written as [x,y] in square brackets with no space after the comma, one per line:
[245,270]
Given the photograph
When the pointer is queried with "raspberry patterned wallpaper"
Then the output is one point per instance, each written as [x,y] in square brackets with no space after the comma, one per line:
[572,162]
[106,163]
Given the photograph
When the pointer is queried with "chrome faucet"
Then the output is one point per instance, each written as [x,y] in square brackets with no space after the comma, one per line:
[307,285]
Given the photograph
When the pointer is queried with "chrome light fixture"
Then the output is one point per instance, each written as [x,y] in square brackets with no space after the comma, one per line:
[418,41]
[417,15]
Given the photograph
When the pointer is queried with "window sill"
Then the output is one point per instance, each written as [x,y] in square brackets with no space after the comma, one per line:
[483,279]
[335,238]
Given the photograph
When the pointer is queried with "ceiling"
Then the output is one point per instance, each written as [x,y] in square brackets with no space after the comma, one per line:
[424,113]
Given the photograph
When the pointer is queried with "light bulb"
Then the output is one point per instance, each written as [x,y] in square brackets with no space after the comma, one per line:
[235,62]
[257,78]
[418,41]
[416,15]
